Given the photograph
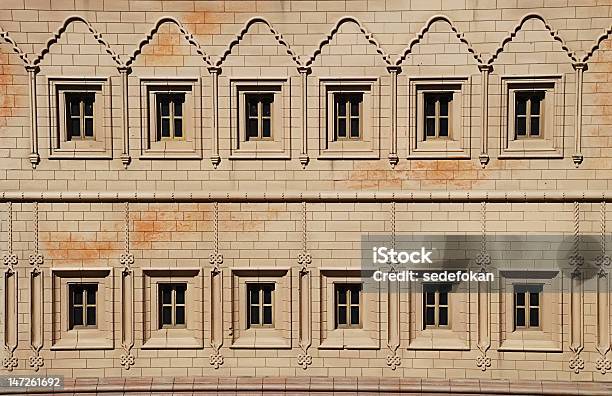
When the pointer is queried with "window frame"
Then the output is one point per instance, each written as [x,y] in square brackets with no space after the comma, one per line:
[261,306]
[260,117]
[528,116]
[348,289]
[84,289]
[82,117]
[348,116]
[173,305]
[172,117]
[437,290]
[528,289]
[437,117]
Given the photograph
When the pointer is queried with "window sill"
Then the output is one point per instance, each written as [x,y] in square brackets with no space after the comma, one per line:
[439,339]
[349,339]
[241,154]
[261,339]
[154,154]
[83,339]
[80,153]
[524,148]
[172,339]
[348,154]
[530,341]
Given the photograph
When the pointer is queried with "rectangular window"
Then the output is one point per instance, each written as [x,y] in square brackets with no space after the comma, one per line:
[435,305]
[170,116]
[172,305]
[347,116]
[259,116]
[528,114]
[527,300]
[82,306]
[260,305]
[80,115]
[348,302]
[437,114]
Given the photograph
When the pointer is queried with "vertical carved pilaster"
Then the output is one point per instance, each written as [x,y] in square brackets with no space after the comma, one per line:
[36,298]
[216,296]
[305,299]
[304,72]
[483,260]
[603,363]
[485,70]
[393,305]
[579,67]
[10,309]
[393,157]
[126,259]
[576,260]
[215,159]
[34,156]
[125,114]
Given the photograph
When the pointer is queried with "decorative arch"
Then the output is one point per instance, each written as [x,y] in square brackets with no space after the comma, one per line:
[605,35]
[7,38]
[279,38]
[59,32]
[460,35]
[183,30]
[519,26]
[366,33]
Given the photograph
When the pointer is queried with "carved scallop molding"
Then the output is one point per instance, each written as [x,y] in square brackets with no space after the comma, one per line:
[605,35]
[553,33]
[4,35]
[277,36]
[332,33]
[460,36]
[183,30]
[60,31]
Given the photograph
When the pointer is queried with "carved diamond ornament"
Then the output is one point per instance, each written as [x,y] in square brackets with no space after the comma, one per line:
[603,261]
[36,259]
[36,362]
[393,361]
[304,259]
[576,364]
[216,259]
[603,364]
[216,360]
[10,362]
[483,362]
[126,259]
[304,360]
[576,260]
[127,360]
[483,259]
[9,259]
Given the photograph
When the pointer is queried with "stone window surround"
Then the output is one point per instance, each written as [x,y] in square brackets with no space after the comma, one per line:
[279,336]
[190,146]
[189,337]
[60,147]
[549,337]
[454,337]
[366,337]
[279,146]
[550,144]
[368,147]
[101,337]
[458,144]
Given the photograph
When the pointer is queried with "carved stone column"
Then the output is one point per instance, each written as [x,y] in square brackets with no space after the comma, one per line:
[215,159]
[483,260]
[124,71]
[579,67]
[603,363]
[576,260]
[304,72]
[126,259]
[34,156]
[11,290]
[393,157]
[36,298]
[485,70]
[216,296]
[305,297]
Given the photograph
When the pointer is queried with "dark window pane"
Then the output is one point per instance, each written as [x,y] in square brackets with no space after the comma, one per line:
[520,317]
[355,127]
[521,105]
[165,127]
[341,128]
[89,127]
[443,316]
[77,316]
[341,295]
[75,107]
[77,296]
[355,106]
[444,106]
[254,318]
[443,299]
[178,128]
[430,316]
[430,106]
[520,299]
[535,105]
[178,107]
[91,316]
[252,107]
[164,107]
[180,316]
[265,107]
[252,127]
[91,295]
[535,126]
[266,129]
[521,126]
[267,315]
[166,315]
[341,106]
[534,317]
[75,127]
[166,296]
[355,295]
[534,299]
[342,315]
[180,295]
[89,106]
[355,315]
[267,295]
[430,127]
[443,127]
[254,294]
[430,298]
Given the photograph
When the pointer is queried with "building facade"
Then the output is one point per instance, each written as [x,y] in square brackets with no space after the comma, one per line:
[186,186]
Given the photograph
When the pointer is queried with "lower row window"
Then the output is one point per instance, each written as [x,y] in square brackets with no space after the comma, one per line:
[83,312]
[172,305]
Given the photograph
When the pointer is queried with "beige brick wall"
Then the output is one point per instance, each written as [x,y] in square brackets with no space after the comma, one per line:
[257,235]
